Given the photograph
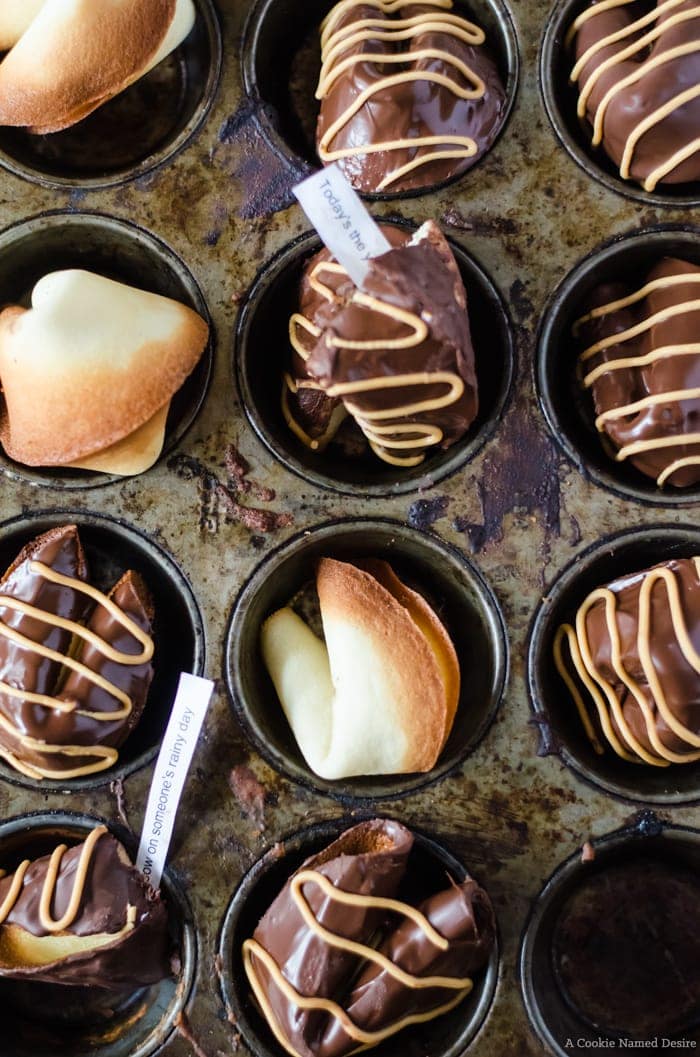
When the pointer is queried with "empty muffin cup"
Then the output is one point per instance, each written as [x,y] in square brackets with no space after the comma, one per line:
[575,134]
[567,406]
[429,863]
[553,705]
[609,955]
[263,324]
[139,130]
[282,61]
[115,249]
[111,547]
[451,585]
[51,1020]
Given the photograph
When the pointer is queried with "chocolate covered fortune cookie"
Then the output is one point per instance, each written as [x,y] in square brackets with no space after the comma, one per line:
[396,356]
[638,76]
[379,695]
[75,664]
[632,664]
[83,917]
[338,963]
[88,372]
[641,361]
[68,57]
[409,95]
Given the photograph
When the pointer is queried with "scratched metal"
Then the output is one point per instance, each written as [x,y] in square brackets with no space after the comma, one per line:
[528,213]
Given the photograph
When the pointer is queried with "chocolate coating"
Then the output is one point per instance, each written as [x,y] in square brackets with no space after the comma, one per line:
[679,680]
[419,277]
[370,859]
[141,956]
[412,109]
[626,948]
[668,374]
[22,667]
[639,100]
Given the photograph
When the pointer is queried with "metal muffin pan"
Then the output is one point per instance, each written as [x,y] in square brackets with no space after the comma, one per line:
[520,511]
[263,322]
[281,58]
[121,250]
[428,863]
[144,127]
[104,1025]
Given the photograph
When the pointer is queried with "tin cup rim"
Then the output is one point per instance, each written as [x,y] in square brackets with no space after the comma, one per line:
[560,18]
[625,482]
[647,825]
[681,538]
[232,985]
[158,557]
[246,711]
[438,466]
[55,219]
[508,51]
[176,899]
[159,157]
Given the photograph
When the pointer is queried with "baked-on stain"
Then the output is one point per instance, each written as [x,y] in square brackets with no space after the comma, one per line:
[522,477]
[221,499]
[250,794]
[265,180]
[423,513]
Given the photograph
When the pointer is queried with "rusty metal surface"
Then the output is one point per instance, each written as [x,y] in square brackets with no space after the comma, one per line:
[528,214]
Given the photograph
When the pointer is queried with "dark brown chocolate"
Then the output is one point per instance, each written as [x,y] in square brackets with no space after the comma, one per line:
[138,956]
[418,276]
[627,949]
[27,726]
[649,423]
[414,106]
[673,609]
[648,81]
[370,860]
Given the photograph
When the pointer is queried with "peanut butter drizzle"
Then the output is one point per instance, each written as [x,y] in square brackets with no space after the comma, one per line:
[602,692]
[654,62]
[48,891]
[422,435]
[366,1039]
[664,352]
[105,756]
[336,41]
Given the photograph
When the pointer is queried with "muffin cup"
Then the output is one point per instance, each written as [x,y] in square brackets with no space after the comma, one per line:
[446,1036]
[45,1020]
[282,59]
[567,407]
[560,101]
[614,556]
[112,547]
[115,144]
[119,250]
[446,579]
[263,324]
[553,1017]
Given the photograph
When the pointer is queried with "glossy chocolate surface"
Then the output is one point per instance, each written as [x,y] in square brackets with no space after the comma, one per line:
[640,100]
[412,109]
[28,723]
[672,374]
[370,860]
[140,956]
[420,278]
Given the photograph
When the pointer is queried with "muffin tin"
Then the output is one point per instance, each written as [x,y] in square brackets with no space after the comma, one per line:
[519,510]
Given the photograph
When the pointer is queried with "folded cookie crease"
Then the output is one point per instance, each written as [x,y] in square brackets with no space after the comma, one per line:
[380,694]
[88,372]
